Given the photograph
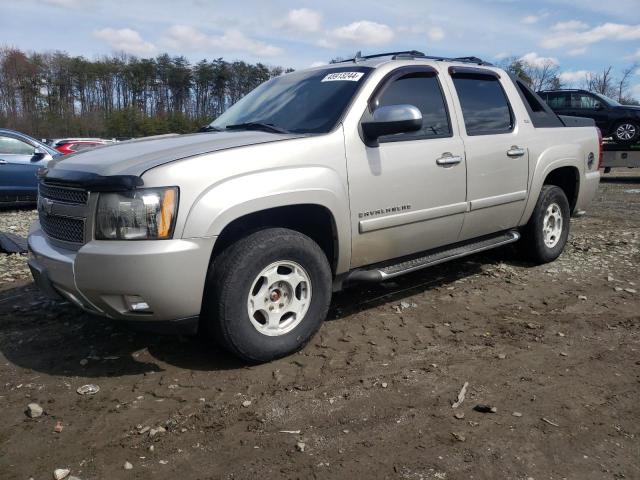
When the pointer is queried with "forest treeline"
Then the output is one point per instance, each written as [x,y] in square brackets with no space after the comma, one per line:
[55,94]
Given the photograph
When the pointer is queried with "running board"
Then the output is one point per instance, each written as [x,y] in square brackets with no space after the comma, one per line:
[382,273]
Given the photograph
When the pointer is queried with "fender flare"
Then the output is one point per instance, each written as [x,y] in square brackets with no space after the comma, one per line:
[235,197]
[542,171]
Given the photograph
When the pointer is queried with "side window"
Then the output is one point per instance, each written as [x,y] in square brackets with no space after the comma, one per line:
[583,101]
[485,107]
[422,91]
[557,100]
[13,146]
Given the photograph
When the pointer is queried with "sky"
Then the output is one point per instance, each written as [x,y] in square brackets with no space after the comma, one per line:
[580,36]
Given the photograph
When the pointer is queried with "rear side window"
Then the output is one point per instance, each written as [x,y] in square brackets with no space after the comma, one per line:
[485,107]
[422,90]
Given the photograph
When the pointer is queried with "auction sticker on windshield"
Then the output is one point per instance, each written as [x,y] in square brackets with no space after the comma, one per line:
[343,76]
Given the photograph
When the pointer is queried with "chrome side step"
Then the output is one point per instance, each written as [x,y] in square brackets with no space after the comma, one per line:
[382,273]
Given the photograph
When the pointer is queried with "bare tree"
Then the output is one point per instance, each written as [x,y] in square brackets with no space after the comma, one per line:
[539,76]
[601,82]
[623,82]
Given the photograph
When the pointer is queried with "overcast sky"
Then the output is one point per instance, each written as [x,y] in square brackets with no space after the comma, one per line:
[580,35]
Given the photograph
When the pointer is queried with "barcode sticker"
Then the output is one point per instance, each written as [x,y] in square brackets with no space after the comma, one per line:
[343,77]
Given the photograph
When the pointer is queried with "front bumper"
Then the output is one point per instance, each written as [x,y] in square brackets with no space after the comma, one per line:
[103,277]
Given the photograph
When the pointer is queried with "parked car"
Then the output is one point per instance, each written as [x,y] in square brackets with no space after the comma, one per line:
[358,171]
[21,156]
[620,122]
[73,145]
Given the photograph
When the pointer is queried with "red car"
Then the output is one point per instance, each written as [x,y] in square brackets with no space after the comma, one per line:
[72,146]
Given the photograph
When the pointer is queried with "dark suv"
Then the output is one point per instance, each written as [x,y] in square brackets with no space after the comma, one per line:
[621,122]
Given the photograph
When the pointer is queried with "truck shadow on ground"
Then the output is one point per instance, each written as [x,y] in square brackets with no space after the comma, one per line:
[615,179]
[56,338]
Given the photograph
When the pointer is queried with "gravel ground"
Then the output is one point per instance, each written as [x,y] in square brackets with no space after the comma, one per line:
[13,268]
[554,348]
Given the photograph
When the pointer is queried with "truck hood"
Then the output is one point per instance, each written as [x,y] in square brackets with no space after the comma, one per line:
[135,157]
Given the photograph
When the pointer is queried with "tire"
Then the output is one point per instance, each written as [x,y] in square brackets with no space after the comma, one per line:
[251,288]
[626,132]
[541,247]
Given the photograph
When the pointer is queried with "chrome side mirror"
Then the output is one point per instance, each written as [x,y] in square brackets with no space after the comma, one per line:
[391,120]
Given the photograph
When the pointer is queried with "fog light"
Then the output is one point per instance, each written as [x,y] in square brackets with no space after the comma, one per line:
[137,304]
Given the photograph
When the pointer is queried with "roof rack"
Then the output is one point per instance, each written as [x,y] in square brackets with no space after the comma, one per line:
[359,57]
[412,54]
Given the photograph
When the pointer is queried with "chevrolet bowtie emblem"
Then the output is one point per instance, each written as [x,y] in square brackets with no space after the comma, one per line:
[45,205]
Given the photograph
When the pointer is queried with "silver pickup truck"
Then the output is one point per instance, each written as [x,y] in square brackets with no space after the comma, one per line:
[357,171]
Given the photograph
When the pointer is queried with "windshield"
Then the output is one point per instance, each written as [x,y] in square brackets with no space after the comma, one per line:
[609,101]
[310,101]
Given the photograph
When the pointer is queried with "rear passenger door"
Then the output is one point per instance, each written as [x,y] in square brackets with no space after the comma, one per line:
[496,151]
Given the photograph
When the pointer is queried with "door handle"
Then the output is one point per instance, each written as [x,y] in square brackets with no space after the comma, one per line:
[3,162]
[448,159]
[516,151]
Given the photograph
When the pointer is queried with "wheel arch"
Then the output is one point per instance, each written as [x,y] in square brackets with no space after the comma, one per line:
[310,199]
[313,220]
[568,179]
[564,173]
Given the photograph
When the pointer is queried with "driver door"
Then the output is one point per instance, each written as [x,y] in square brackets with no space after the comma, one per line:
[409,193]
[586,105]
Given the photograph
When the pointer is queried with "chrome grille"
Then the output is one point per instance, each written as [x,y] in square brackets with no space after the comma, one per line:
[63,228]
[62,212]
[61,194]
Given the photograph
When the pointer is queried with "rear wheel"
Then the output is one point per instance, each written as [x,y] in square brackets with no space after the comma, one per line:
[626,132]
[267,294]
[544,237]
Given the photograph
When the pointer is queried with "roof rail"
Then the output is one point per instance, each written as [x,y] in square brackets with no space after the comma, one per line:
[410,54]
[359,57]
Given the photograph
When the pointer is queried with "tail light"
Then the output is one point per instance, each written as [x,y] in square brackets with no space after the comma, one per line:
[601,149]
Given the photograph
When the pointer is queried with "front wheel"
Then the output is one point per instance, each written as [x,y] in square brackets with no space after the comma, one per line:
[544,237]
[267,294]
[626,132]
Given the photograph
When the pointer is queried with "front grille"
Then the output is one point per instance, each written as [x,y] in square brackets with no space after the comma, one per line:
[62,212]
[63,228]
[62,194]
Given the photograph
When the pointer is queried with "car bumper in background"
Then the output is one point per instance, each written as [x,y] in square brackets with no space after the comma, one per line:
[146,281]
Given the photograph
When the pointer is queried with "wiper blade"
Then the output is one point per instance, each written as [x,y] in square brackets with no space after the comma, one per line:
[209,128]
[266,127]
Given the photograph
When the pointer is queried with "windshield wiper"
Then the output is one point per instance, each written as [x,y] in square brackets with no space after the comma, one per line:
[265,127]
[209,128]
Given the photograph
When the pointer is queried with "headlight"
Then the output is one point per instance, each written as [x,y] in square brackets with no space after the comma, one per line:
[145,214]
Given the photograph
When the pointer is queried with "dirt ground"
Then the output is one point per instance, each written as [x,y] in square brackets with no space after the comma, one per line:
[555,348]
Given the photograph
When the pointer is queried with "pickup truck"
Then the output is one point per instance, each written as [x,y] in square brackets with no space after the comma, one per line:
[357,171]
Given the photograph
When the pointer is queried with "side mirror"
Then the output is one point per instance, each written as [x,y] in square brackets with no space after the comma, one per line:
[40,153]
[599,106]
[391,120]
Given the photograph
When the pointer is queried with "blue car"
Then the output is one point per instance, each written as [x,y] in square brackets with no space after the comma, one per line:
[20,159]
